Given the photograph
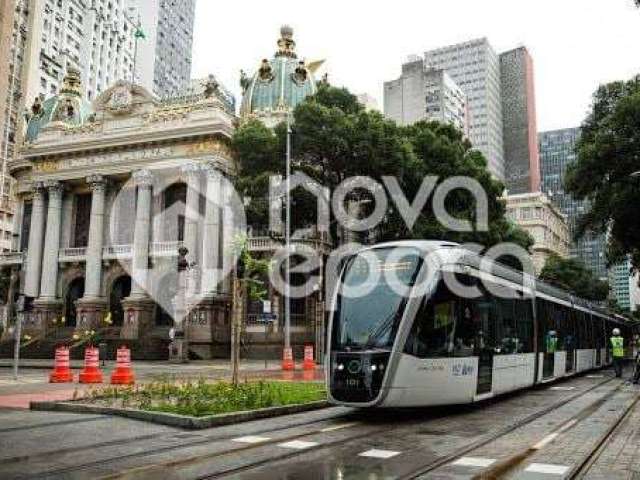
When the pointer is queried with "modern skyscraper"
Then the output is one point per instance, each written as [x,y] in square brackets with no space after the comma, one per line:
[425,93]
[557,152]
[163,60]
[521,158]
[624,286]
[475,67]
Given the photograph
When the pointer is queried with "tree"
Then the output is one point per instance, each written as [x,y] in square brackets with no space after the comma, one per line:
[571,274]
[608,153]
[335,139]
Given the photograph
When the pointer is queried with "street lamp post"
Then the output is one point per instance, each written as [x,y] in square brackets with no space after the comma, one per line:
[287,241]
[179,349]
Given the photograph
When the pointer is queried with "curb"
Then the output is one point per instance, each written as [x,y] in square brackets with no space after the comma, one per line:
[181,421]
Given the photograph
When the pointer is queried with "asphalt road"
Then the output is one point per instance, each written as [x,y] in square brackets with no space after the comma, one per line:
[334,443]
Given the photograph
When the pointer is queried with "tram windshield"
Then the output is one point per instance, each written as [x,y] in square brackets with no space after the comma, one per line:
[372,297]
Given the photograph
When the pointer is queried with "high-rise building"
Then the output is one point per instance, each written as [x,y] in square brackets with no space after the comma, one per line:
[96,39]
[557,152]
[475,67]
[624,286]
[520,133]
[537,215]
[425,93]
[163,60]
[368,101]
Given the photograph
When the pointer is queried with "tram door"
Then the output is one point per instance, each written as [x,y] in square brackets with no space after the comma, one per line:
[485,371]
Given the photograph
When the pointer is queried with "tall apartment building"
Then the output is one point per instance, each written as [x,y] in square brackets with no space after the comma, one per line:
[520,132]
[538,216]
[624,286]
[557,152]
[164,57]
[425,93]
[475,67]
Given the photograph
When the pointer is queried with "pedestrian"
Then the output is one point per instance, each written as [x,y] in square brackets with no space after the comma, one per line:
[617,350]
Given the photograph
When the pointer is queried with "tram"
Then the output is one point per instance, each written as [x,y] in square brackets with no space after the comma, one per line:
[421,323]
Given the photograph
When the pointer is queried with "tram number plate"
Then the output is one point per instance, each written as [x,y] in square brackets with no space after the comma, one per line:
[352,382]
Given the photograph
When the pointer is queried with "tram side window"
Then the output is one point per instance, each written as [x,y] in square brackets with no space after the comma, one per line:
[447,325]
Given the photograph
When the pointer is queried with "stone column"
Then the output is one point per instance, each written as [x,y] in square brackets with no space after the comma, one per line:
[141,234]
[47,306]
[96,237]
[92,306]
[138,308]
[211,241]
[192,210]
[49,281]
[36,237]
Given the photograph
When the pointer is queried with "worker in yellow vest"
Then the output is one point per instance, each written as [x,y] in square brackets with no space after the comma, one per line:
[617,350]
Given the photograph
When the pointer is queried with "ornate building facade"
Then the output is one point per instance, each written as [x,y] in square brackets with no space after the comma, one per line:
[107,193]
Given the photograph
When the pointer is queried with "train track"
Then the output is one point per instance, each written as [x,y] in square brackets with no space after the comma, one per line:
[582,468]
[431,466]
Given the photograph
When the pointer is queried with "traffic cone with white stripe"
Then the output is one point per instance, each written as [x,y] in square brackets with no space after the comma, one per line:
[61,367]
[123,375]
[91,372]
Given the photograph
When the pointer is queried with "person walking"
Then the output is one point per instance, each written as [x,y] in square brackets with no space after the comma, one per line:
[617,350]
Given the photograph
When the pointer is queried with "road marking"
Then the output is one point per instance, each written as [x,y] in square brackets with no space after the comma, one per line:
[547,468]
[251,439]
[564,389]
[298,444]
[375,453]
[595,376]
[339,427]
[473,462]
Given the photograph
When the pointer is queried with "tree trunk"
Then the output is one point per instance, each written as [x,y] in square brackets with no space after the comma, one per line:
[236,329]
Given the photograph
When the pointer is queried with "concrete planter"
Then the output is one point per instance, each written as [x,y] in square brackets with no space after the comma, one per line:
[181,421]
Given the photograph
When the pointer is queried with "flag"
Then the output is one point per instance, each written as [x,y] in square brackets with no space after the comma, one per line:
[139,33]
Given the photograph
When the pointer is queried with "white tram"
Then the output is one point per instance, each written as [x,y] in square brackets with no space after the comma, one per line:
[400,337]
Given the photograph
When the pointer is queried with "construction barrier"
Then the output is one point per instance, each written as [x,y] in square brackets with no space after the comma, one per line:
[61,367]
[309,363]
[91,372]
[287,359]
[123,375]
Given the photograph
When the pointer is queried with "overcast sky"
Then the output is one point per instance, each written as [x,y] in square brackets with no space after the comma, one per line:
[575,44]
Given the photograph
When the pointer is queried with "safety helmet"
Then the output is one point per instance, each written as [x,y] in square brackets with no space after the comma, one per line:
[616,331]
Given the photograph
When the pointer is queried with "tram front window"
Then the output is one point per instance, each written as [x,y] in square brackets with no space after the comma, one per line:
[372,298]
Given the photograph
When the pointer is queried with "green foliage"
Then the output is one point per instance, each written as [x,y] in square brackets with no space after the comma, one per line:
[608,154]
[199,398]
[255,270]
[335,138]
[571,274]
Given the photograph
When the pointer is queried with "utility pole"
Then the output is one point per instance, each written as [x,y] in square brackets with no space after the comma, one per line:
[287,241]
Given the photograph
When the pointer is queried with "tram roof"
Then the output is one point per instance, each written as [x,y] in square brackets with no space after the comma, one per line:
[467,258]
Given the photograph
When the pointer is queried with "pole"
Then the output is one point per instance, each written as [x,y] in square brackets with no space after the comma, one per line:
[18,334]
[287,241]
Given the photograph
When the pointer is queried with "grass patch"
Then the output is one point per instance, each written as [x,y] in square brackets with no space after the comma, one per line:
[199,398]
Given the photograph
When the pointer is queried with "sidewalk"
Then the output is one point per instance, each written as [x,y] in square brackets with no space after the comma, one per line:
[32,384]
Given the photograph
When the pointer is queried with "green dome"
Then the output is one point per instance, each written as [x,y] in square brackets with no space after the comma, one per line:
[279,84]
[68,107]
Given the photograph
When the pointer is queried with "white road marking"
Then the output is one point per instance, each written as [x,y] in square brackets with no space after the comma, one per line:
[547,468]
[473,462]
[595,376]
[339,427]
[251,439]
[375,453]
[298,444]
[565,389]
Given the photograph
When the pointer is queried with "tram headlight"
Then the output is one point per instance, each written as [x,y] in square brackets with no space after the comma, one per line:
[373,368]
[340,367]
[381,367]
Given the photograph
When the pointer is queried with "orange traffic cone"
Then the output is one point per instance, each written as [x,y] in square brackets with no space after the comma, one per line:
[91,373]
[61,371]
[309,363]
[287,359]
[123,375]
